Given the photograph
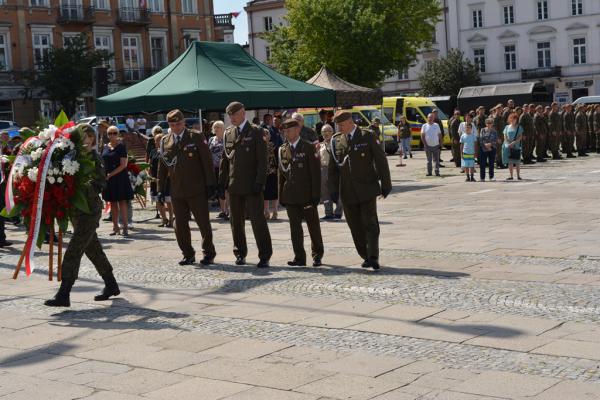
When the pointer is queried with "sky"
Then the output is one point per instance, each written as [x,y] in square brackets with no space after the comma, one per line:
[241,22]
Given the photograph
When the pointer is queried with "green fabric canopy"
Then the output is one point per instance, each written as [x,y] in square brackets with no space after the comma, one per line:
[210,75]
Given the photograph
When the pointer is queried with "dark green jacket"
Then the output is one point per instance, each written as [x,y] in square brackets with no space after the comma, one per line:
[363,168]
[244,161]
[299,174]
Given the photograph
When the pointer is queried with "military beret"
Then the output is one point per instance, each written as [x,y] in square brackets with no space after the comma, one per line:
[234,107]
[175,116]
[341,116]
[290,123]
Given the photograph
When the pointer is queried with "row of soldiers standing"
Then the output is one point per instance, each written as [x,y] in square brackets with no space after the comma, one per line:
[548,129]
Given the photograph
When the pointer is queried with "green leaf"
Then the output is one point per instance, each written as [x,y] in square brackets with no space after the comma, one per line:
[63,224]
[16,210]
[80,201]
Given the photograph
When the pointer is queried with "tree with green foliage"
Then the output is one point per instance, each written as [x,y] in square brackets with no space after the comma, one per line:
[65,73]
[362,41]
[446,76]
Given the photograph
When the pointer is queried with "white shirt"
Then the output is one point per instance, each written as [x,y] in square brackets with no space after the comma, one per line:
[432,133]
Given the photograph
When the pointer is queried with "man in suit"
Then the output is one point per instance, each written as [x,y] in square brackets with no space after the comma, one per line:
[243,174]
[300,192]
[359,172]
[187,161]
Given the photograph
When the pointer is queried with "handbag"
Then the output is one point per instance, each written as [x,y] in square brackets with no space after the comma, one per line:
[513,152]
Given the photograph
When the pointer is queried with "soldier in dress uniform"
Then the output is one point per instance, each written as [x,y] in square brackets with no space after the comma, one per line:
[300,192]
[243,174]
[187,161]
[359,172]
[540,127]
[569,127]
[84,239]
[453,125]
[554,131]
[581,128]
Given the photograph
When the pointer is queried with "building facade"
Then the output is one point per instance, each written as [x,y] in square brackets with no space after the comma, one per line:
[143,35]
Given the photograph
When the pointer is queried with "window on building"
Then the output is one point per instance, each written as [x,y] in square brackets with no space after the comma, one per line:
[543,55]
[39,3]
[268,53]
[576,7]
[131,58]
[510,57]
[579,51]
[542,10]
[159,53]
[102,4]
[509,14]
[189,7]
[477,18]
[156,6]
[268,24]
[479,59]
[4,52]
[403,75]
[42,42]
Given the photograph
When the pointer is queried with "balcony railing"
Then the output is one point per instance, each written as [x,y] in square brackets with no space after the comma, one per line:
[223,20]
[133,16]
[538,73]
[69,14]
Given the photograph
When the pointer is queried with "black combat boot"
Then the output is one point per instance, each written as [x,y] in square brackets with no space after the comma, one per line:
[62,297]
[111,288]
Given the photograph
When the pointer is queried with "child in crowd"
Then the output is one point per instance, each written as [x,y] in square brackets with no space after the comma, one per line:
[467,149]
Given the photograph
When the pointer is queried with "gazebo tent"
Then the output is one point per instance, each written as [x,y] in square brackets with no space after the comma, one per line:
[210,75]
[346,94]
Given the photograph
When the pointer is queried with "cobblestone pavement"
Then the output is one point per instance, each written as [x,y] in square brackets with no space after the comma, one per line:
[488,291]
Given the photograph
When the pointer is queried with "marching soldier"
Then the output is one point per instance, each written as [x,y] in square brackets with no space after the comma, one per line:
[526,122]
[569,126]
[581,127]
[597,127]
[541,129]
[359,172]
[300,192]
[187,162]
[554,129]
[84,239]
[243,174]
[453,125]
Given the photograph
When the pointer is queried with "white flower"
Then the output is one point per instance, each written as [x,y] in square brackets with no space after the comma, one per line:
[59,179]
[70,167]
[32,174]
[51,180]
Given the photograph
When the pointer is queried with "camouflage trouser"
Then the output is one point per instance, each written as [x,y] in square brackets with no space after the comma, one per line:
[85,240]
[554,143]
[581,142]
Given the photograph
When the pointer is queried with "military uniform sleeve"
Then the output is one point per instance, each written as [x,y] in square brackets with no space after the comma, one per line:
[261,158]
[206,159]
[381,164]
[315,172]
[333,174]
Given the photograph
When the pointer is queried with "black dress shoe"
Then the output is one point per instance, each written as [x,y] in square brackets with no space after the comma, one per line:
[207,260]
[187,261]
[5,244]
[263,264]
[240,261]
[317,262]
[296,263]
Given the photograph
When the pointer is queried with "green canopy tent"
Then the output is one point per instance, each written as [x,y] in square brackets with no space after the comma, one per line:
[210,75]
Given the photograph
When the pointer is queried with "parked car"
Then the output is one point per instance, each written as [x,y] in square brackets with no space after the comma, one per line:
[11,127]
[117,120]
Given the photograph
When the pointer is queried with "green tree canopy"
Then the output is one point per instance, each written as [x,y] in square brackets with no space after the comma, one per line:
[446,76]
[362,41]
[65,73]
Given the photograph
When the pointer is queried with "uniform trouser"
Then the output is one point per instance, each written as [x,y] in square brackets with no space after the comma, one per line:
[499,161]
[456,152]
[85,240]
[252,205]
[364,226]
[433,155]
[330,210]
[198,207]
[486,159]
[540,145]
[554,142]
[310,215]
[581,142]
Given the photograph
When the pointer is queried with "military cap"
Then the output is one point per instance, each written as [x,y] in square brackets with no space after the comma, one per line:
[175,116]
[234,107]
[341,116]
[290,123]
